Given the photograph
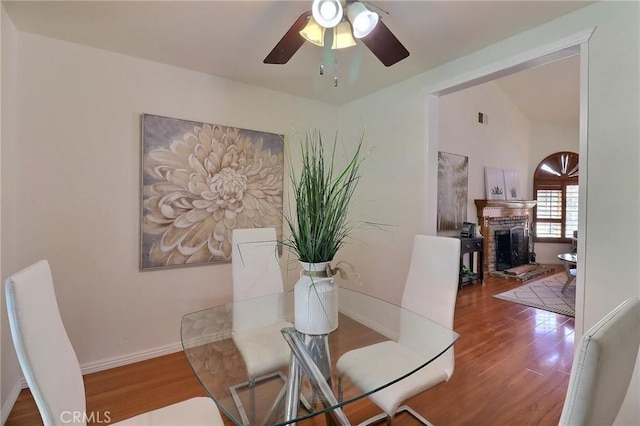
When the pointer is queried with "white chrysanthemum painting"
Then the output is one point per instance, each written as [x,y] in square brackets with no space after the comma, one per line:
[200,181]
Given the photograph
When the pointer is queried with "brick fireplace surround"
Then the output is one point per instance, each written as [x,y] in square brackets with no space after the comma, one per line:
[496,215]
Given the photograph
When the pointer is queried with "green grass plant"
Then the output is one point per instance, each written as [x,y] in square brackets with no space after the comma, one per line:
[320,224]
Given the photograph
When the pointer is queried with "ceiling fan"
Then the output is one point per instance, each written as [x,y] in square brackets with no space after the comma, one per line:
[359,22]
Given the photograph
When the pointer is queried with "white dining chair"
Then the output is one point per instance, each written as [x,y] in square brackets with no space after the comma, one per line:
[430,291]
[50,365]
[258,313]
[602,368]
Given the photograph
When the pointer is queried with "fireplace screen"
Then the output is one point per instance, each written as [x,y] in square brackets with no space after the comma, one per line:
[512,247]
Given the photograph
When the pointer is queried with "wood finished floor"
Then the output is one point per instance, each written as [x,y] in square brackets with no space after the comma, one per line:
[512,368]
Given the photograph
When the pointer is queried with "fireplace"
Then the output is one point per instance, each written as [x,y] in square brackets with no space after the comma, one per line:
[512,247]
[504,217]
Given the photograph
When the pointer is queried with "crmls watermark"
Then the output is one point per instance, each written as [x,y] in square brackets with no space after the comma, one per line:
[81,417]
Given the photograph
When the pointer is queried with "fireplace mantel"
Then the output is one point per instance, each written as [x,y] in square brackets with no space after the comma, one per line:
[502,208]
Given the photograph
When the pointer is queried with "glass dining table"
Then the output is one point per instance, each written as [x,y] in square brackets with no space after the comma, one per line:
[307,383]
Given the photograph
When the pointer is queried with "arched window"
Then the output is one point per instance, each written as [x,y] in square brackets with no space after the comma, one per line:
[555,185]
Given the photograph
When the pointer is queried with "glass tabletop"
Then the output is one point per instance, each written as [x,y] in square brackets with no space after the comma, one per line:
[568,257]
[241,353]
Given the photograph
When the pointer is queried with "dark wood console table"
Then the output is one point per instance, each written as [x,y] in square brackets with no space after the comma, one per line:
[471,246]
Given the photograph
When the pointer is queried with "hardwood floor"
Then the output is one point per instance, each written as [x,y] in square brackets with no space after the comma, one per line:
[512,368]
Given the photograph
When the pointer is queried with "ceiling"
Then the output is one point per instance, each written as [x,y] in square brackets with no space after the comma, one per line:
[548,93]
[231,38]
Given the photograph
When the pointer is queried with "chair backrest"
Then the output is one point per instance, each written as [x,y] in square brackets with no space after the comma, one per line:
[44,351]
[256,275]
[602,367]
[431,287]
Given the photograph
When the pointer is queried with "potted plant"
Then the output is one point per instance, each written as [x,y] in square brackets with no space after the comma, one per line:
[319,227]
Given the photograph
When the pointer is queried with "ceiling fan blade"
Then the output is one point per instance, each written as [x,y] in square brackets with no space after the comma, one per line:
[385,45]
[289,43]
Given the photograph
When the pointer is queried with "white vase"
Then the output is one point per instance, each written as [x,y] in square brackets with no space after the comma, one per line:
[315,300]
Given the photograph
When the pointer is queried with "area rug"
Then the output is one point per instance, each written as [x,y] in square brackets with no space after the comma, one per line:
[545,293]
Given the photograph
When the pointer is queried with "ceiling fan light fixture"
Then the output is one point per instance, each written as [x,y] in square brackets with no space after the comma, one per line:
[327,13]
[342,37]
[362,19]
[313,32]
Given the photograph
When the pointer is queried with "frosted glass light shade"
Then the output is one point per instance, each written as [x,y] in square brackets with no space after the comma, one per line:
[313,32]
[327,13]
[362,19]
[342,36]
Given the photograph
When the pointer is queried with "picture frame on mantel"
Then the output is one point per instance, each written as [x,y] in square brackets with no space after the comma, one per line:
[494,184]
[512,185]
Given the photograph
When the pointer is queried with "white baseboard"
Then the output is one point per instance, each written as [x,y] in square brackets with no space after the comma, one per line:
[93,367]
[10,401]
[119,361]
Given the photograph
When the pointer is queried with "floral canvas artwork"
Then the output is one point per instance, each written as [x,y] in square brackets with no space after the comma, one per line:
[199,182]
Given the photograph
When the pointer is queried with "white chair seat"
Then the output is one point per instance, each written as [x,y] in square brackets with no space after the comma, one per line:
[194,411]
[263,350]
[430,291]
[357,365]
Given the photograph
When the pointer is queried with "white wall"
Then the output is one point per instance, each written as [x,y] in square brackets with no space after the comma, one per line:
[393,188]
[71,189]
[1,128]
[503,142]
[10,384]
[406,158]
[77,147]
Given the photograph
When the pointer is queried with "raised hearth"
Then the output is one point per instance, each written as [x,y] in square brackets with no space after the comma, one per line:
[498,215]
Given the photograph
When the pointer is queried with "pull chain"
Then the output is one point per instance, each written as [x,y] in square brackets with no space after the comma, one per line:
[335,70]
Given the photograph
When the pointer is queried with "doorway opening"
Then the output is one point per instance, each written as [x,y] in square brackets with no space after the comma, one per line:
[572,47]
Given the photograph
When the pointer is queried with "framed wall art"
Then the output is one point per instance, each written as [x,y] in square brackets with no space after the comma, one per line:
[453,183]
[512,185]
[494,183]
[199,182]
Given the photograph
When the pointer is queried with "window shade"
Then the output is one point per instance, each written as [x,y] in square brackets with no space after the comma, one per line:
[549,203]
[571,214]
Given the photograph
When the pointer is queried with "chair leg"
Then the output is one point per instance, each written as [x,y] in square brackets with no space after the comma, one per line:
[414,413]
[250,384]
[252,399]
[389,419]
[376,419]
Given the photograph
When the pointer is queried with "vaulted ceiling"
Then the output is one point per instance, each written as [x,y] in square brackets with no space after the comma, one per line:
[548,93]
